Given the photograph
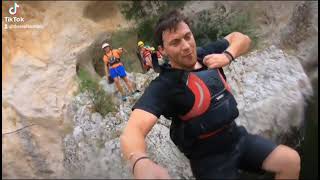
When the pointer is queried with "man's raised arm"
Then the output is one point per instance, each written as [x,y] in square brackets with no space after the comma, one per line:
[238,44]
[133,146]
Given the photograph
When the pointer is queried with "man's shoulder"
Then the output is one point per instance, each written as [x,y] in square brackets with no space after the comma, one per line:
[161,80]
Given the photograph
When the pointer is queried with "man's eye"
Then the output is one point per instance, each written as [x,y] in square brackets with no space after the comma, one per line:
[175,43]
[188,37]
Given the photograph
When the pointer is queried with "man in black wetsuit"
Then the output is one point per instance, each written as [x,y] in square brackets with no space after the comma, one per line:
[194,95]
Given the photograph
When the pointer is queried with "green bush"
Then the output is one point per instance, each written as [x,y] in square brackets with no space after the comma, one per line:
[133,10]
[102,102]
[140,10]
[207,27]
[242,22]
[145,31]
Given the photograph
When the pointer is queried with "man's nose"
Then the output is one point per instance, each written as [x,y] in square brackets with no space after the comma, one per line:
[185,45]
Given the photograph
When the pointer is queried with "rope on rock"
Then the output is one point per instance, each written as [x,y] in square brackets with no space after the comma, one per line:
[15,131]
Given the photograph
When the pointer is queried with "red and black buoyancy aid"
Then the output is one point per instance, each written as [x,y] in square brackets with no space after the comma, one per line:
[213,110]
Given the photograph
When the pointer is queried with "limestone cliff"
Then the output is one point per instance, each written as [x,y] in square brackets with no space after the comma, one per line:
[38,79]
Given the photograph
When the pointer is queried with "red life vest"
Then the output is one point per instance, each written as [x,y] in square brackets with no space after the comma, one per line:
[214,109]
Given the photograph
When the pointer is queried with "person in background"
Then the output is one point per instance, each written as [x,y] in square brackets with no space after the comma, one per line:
[115,69]
[145,53]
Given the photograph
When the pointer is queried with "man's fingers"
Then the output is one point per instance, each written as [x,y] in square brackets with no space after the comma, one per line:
[215,60]
[209,59]
[213,65]
[205,58]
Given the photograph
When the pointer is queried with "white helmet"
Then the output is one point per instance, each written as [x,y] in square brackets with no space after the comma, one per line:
[105,45]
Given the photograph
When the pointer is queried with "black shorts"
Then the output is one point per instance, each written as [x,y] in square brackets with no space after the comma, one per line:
[247,154]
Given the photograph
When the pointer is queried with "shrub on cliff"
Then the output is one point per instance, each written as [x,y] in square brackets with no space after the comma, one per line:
[101,101]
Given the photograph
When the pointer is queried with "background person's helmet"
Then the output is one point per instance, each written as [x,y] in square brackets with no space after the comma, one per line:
[105,45]
[140,44]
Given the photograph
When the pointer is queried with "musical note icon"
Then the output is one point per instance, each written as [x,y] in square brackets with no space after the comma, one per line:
[13,10]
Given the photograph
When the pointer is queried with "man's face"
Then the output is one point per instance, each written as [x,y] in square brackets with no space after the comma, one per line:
[107,49]
[180,47]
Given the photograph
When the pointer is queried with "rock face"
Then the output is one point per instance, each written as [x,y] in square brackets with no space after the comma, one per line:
[93,149]
[67,140]
[42,63]
[39,69]
[301,37]
[271,88]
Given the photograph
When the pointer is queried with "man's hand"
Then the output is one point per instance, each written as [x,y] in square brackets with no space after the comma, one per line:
[147,169]
[123,50]
[133,145]
[216,60]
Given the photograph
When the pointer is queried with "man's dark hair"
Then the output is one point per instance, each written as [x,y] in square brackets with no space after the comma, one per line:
[168,21]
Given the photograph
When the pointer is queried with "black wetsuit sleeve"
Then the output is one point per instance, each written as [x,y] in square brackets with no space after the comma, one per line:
[154,99]
[215,47]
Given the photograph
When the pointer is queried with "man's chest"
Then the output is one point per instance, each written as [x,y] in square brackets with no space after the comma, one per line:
[195,91]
